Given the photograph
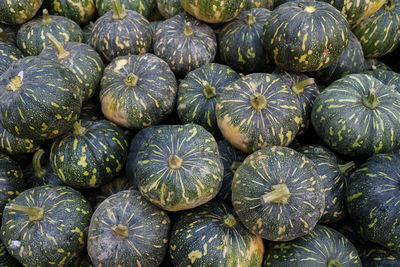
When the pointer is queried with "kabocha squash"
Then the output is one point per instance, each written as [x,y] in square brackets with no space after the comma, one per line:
[80,11]
[121,32]
[185,43]
[81,59]
[179,167]
[388,77]
[358,116]
[91,155]
[212,235]
[18,11]
[278,194]
[322,247]
[39,99]
[375,256]
[305,35]
[137,91]
[169,8]
[143,7]
[372,196]
[6,260]
[240,41]
[31,37]
[198,93]
[127,230]
[268,4]
[8,54]
[258,110]
[46,226]
[12,145]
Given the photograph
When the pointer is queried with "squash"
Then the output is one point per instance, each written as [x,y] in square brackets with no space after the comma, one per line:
[388,77]
[18,11]
[5,259]
[375,255]
[12,145]
[80,11]
[143,7]
[8,54]
[169,8]
[268,4]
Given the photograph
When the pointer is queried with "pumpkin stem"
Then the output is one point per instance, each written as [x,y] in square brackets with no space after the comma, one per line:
[3,35]
[121,230]
[334,263]
[371,100]
[229,220]
[346,168]
[279,195]
[37,166]
[258,102]
[390,5]
[175,162]
[78,129]
[188,30]
[250,19]
[235,165]
[209,91]
[131,80]
[298,88]
[15,84]
[34,213]
[118,12]
[61,52]
[46,18]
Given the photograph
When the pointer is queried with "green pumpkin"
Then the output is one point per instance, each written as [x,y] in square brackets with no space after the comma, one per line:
[268,4]
[169,8]
[372,195]
[305,35]
[39,99]
[185,43]
[80,11]
[143,7]
[13,145]
[5,259]
[91,155]
[31,37]
[18,11]
[240,41]
[258,110]
[8,33]
[46,226]
[374,64]
[8,54]
[81,59]
[322,247]
[127,230]
[375,256]
[358,116]
[388,77]
[198,93]
[212,235]
[347,227]
[179,167]
[278,194]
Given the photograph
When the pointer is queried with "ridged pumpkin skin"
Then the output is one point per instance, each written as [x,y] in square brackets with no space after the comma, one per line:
[18,11]
[278,194]
[13,145]
[137,91]
[179,167]
[322,247]
[91,155]
[375,255]
[268,4]
[169,8]
[372,195]
[143,7]
[39,98]
[127,230]
[388,77]
[8,54]
[6,260]
[305,35]
[212,235]
[258,110]
[185,43]
[350,121]
[80,11]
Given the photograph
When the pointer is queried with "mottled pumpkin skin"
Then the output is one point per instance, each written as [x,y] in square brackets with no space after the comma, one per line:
[143,7]
[60,236]
[322,247]
[13,145]
[145,103]
[249,129]
[388,77]
[305,35]
[6,260]
[80,11]
[349,127]
[91,155]
[47,102]
[268,4]
[169,8]
[8,54]
[148,230]
[18,11]
[372,195]
[374,255]
[212,235]
[185,53]
[195,181]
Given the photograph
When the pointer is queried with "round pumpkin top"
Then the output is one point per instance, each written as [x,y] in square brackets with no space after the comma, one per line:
[80,11]
[18,11]
[14,145]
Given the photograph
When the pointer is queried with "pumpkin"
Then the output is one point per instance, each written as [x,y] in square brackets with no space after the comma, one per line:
[56,216]
[39,99]
[375,255]
[305,35]
[347,227]
[5,259]
[388,77]
[212,235]
[127,230]
[143,7]
[258,110]
[179,167]
[18,11]
[80,11]
[169,8]
[373,64]
[198,93]
[91,155]
[87,32]
[8,54]
[12,145]
[358,116]
[278,194]
[268,4]
[185,43]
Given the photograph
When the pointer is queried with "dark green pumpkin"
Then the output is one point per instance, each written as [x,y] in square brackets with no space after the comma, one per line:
[39,98]
[127,230]
[12,145]
[258,110]
[8,33]
[80,11]
[143,7]
[6,260]
[198,93]
[185,43]
[268,4]
[240,41]
[278,194]
[322,247]
[179,167]
[388,77]
[212,235]
[376,256]
[46,226]
[31,37]
[305,35]
[372,199]
[348,228]
[18,11]
[8,54]
[358,116]
[169,8]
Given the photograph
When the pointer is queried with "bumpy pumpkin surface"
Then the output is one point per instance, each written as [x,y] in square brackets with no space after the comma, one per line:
[12,145]
[143,7]
[169,8]
[18,11]
[8,54]
[80,11]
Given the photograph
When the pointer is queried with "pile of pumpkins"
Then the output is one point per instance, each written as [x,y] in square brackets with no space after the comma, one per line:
[199,133]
